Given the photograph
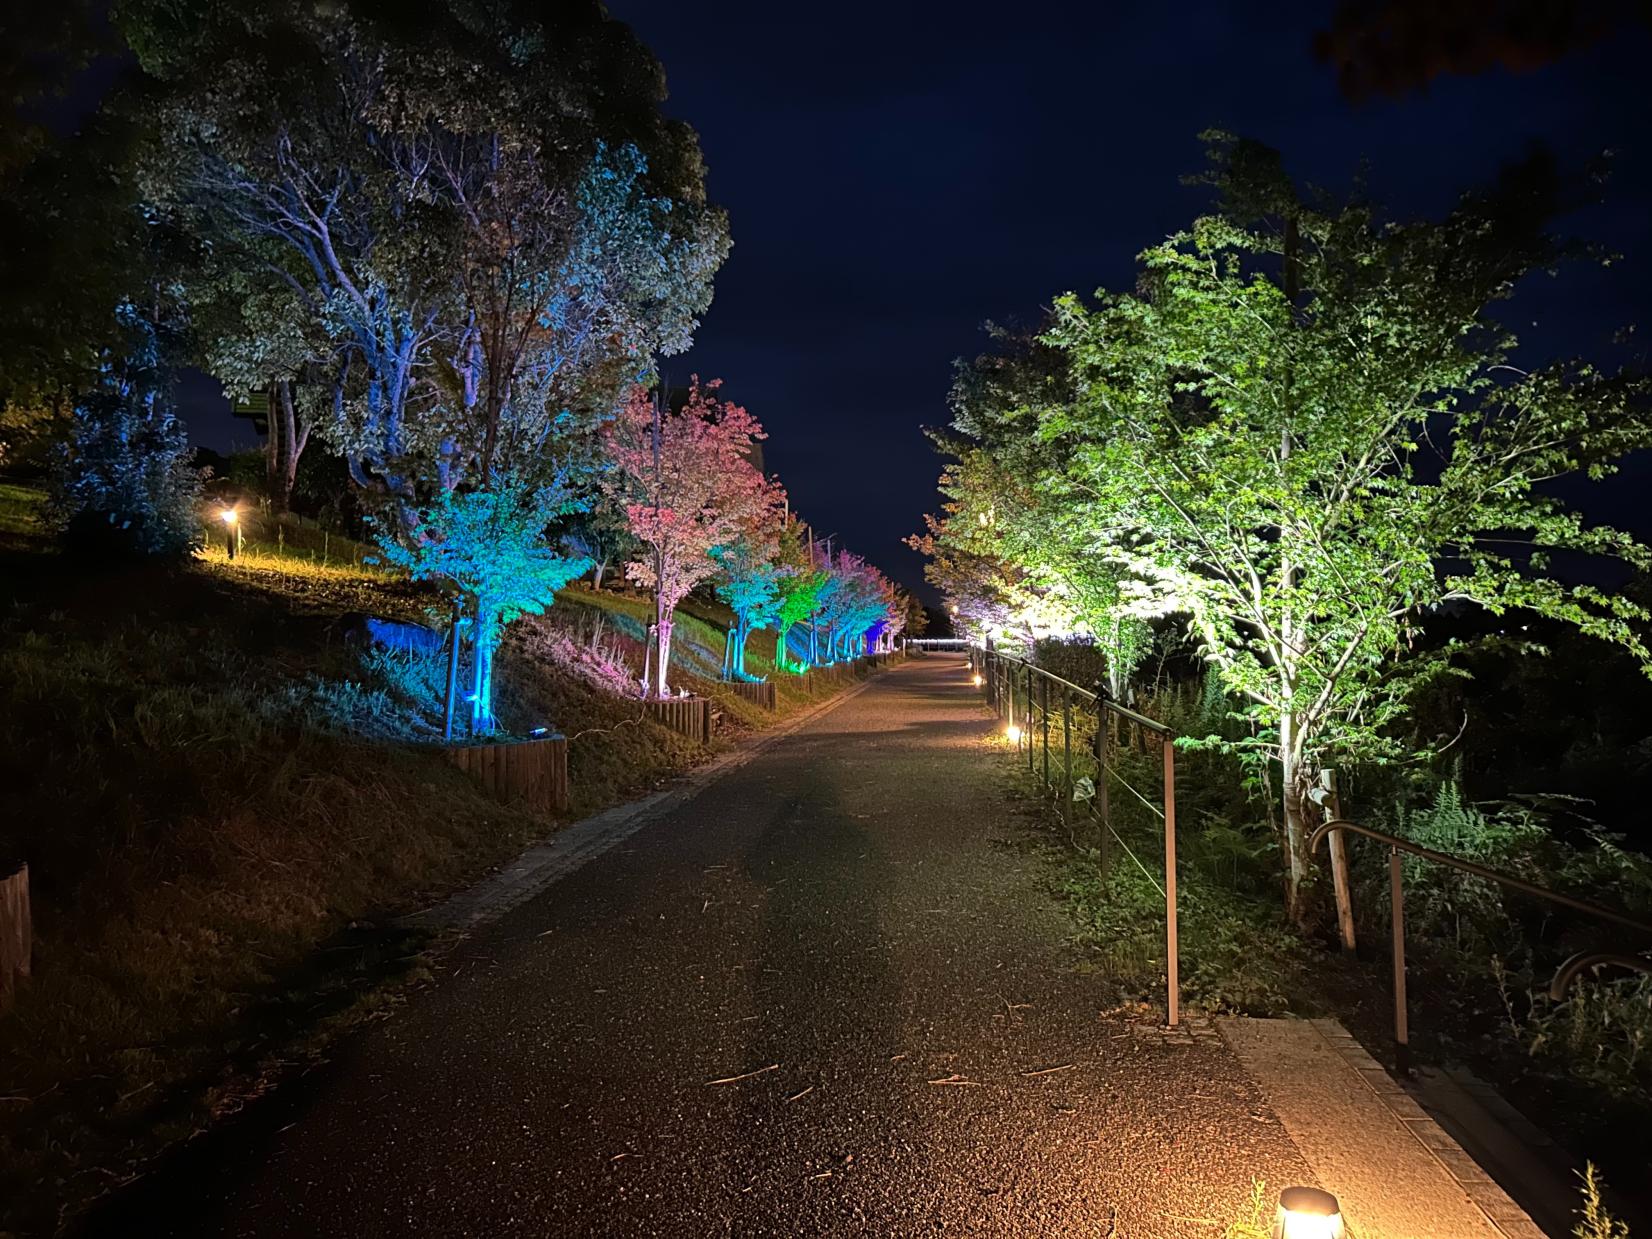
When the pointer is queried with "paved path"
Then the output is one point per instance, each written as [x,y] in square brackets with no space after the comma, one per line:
[844,921]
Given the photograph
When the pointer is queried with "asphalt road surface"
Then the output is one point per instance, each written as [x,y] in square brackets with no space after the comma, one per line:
[829,995]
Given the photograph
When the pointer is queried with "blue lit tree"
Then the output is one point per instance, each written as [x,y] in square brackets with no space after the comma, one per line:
[123,482]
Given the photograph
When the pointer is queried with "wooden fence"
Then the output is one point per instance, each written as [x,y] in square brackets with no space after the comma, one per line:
[764,693]
[15,930]
[533,773]
[691,716]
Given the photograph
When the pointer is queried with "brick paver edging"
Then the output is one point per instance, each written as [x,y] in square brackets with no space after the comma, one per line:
[1477,1185]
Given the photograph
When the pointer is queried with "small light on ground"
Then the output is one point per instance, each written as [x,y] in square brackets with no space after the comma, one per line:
[230,516]
[1308,1213]
[978,681]
[1014,733]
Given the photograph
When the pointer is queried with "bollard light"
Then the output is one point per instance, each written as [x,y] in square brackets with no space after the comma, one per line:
[1308,1213]
[230,516]
[1014,733]
[978,680]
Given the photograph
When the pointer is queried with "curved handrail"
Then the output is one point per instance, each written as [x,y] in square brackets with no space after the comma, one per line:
[1593,959]
[1152,724]
[1479,871]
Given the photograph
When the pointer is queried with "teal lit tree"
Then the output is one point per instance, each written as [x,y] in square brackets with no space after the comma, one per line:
[748,579]
[488,547]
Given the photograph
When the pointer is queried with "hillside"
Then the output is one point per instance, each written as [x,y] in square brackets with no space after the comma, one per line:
[226,797]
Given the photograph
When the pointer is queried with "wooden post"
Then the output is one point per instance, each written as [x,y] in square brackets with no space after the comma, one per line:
[1332,804]
[16,944]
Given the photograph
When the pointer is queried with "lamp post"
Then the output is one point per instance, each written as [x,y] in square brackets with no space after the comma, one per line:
[232,531]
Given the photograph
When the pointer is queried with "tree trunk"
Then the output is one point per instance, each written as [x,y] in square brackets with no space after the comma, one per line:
[663,641]
[283,446]
[1299,820]
[600,567]
[481,699]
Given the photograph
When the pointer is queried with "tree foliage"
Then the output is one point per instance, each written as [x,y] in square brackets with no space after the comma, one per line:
[122,482]
[1304,432]
[688,486]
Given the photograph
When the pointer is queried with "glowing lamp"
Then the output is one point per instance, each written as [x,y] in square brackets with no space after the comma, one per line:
[978,680]
[230,516]
[1308,1213]
[1014,733]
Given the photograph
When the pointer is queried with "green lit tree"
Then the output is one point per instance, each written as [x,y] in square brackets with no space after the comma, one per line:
[799,586]
[1306,431]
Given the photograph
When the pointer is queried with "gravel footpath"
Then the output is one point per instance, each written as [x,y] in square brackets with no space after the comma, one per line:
[828,995]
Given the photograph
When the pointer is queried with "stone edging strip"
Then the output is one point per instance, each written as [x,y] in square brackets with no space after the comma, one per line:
[1503,1213]
[583,841]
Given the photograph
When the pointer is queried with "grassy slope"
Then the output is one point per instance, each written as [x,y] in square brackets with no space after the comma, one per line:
[221,816]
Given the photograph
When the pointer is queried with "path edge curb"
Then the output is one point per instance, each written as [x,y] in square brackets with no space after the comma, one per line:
[1505,1216]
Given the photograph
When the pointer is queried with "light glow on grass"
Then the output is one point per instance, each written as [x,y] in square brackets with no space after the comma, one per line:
[1013,733]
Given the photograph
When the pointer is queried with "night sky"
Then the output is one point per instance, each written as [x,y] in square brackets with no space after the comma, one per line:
[896,174]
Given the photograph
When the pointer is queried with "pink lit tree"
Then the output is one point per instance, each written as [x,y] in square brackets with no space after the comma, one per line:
[688,487]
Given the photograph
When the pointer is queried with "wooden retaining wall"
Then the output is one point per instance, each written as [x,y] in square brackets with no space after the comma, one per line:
[764,693]
[691,716]
[533,773]
[16,931]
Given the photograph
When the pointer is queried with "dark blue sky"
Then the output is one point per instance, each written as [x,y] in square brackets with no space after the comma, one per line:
[898,173]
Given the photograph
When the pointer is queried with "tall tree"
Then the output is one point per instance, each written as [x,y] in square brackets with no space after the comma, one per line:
[748,579]
[689,487]
[1307,431]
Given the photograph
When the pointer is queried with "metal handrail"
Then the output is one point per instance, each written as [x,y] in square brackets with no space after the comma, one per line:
[1594,959]
[1013,669]
[1396,895]
[1152,724]
[1479,871]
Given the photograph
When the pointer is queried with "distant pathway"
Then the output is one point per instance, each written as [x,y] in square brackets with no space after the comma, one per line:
[846,931]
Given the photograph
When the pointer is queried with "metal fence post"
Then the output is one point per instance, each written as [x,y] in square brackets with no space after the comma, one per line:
[1173,996]
[1396,895]
[1102,804]
[1029,731]
[1044,693]
[1067,756]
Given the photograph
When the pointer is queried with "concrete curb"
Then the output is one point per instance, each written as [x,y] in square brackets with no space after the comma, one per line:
[1500,1210]
[574,846]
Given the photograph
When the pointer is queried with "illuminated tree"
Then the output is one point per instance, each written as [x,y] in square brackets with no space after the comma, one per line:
[488,546]
[123,482]
[1012,508]
[1306,433]
[688,487]
[472,277]
[799,587]
[748,579]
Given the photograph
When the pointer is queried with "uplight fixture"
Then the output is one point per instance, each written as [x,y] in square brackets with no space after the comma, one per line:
[1308,1213]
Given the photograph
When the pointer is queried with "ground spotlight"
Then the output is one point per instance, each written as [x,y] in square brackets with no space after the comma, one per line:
[1308,1213]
